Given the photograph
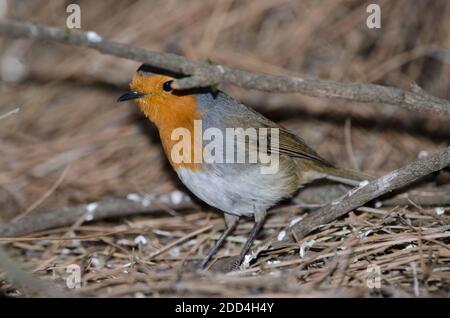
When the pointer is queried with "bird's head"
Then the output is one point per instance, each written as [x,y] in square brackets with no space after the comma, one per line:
[152,91]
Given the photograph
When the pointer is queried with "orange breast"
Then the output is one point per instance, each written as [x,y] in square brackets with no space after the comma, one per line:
[169,144]
[170,112]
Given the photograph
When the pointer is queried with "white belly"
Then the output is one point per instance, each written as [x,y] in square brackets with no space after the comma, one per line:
[240,191]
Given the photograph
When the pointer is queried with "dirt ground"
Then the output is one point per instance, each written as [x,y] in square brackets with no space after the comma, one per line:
[71,144]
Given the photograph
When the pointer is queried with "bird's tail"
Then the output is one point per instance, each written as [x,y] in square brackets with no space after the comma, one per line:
[345,176]
[310,171]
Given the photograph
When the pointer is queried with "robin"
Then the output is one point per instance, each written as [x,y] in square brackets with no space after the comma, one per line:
[237,189]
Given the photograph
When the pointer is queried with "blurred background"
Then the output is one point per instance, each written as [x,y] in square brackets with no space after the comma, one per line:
[67,96]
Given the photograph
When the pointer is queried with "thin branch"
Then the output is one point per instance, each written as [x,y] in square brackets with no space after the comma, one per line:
[422,200]
[12,112]
[374,189]
[179,241]
[204,74]
[108,208]
[42,199]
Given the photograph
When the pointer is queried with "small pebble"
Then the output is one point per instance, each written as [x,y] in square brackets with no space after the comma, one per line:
[281,235]
[140,240]
[95,262]
[423,154]
[93,37]
[247,260]
[175,252]
[176,197]
[362,184]
[439,210]
[134,197]
[295,221]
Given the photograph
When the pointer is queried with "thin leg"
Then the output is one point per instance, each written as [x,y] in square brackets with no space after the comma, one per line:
[259,222]
[231,222]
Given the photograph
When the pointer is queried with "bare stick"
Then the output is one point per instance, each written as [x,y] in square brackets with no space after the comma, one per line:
[12,112]
[32,207]
[372,190]
[422,200]
[204,74]
[108,208]
[179,241]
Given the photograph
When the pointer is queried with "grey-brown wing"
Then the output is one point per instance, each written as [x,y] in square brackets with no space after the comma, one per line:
[294,146]
[288,143]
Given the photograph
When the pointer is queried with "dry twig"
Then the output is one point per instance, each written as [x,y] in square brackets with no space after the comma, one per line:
[372,190]
[204,74]
[108,208]
[12,112]
[421,200]
[46,195]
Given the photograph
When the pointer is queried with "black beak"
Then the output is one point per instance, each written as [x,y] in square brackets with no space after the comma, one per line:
[129,96]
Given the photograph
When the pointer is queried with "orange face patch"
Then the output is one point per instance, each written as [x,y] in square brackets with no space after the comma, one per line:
[168,111]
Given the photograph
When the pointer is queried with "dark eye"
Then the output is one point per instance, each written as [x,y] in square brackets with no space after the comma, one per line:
[167,86]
